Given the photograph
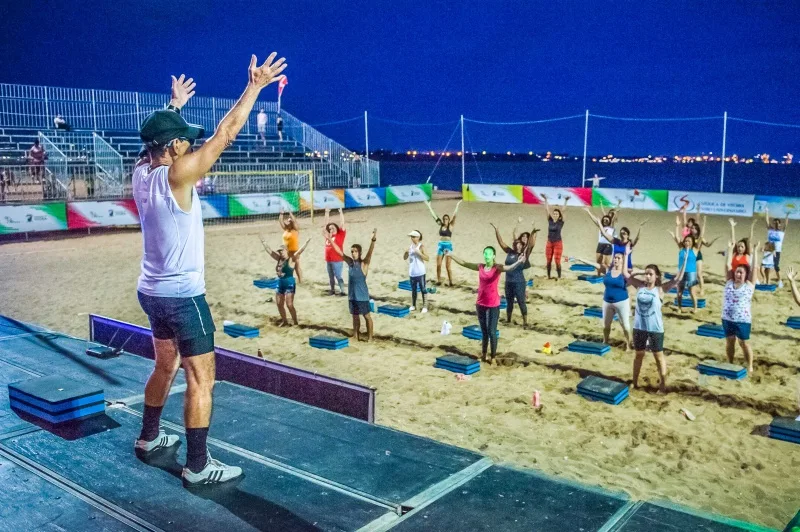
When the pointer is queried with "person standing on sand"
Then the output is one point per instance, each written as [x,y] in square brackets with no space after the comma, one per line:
[488,303]
[357,291]
[291,238]
[555,245]
[416,257]
[741,251]
[776,231]
[688,256]
[284,269]
[648,322]
[446,224]
[333,260]
[736,307]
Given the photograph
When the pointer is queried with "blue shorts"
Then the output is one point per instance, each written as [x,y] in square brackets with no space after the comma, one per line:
[286,286]
[738,329]
[688,281]
[444,245]
[184,319]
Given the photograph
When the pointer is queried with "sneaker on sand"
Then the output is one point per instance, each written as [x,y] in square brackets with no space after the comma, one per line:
[144,449]
[424,310]
[780,284]
[412,308]
[215,472]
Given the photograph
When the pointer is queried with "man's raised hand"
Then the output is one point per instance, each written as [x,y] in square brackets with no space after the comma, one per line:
[182,90]
[261,76]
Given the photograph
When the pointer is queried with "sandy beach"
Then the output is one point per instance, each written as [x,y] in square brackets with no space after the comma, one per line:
[722,462]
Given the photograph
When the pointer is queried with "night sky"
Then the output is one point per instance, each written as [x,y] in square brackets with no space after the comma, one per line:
[433,61]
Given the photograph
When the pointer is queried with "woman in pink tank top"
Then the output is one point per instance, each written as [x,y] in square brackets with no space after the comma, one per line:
[488,304]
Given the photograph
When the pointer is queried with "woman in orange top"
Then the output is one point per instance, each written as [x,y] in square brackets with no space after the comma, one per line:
[291,239]
[741,251]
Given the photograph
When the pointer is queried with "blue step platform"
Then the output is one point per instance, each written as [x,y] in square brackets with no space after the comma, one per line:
[595,312]
[589,348]
[722,369]
[711,330]
[793,322]
[785,428]
[328,342]
[766,287]
[605,390]
[405,284]
[473,332]
[687,303]
[582,268]
[237,330]
[395,311]
[458,364]
[56,399]
[271,283]
[594,279]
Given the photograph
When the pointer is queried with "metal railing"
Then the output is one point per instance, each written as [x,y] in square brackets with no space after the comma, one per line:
[57,163]
[109,165]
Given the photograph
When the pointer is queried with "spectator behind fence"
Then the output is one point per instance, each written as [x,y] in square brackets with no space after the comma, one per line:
[279,123]
[60,123]
[261,123]
[36,158]
[3,184]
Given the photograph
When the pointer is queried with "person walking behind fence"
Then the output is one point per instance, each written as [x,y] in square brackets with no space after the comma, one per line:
[333,260]
[36,158]
[279,126]
[171,287]
[261,125]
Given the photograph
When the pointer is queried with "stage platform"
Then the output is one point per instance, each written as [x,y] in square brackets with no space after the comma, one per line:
[306,468]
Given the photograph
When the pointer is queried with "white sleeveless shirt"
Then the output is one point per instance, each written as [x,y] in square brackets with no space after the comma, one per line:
[416,266]
[174,246]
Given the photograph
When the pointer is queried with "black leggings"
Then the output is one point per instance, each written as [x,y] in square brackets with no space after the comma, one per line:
[487,317]
[418,282]
[515,291]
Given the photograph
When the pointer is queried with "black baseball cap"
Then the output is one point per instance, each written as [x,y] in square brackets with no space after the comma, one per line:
[163,126]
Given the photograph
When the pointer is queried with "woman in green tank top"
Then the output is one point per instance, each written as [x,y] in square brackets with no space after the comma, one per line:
[284,268]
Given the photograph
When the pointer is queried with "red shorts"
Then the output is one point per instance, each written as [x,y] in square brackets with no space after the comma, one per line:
[553,250]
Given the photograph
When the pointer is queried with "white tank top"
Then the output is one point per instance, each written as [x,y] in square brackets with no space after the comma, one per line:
[609,231]
[173,260]
[416,266]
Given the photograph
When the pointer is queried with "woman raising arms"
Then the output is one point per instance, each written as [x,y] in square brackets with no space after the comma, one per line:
[555,245]
[284,268]
[740,254]
[446,224]
[291,238]
[736,307]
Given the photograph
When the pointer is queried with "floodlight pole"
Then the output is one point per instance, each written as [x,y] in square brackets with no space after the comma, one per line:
[463,154]
[724,138]
[585,140]
[366,136]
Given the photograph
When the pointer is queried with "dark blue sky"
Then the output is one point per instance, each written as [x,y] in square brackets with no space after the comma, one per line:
[432,61]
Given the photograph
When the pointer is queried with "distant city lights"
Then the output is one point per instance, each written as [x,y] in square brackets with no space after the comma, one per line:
[709,157]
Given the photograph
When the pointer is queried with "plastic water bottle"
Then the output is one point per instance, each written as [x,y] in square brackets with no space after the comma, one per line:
[536,401]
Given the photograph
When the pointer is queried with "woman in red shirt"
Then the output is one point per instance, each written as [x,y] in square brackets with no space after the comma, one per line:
[488,304]
[741,252]
[333,260]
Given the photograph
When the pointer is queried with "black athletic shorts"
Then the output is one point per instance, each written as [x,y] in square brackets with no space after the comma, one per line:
[605,249]
[648,341]
[185,319]
[359,308]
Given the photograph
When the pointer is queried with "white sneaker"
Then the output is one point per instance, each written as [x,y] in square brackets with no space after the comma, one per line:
[780,284]
[215,472]
[143,448]
[424,310]
[412,308]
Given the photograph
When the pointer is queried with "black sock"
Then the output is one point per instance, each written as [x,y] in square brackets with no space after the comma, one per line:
[196,451]
[152,415]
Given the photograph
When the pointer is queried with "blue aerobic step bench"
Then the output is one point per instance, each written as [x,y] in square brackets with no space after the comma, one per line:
[766,287]
[328,342]
[237,330]
[473,332]
[589,348]
[56,399]
[711,330]
[793,322]
[600,389]
[722,369]
[595,312]
[395,311]
[406,285]
[582,268]
[271,283]
[458,364]
[687,303]
[594,279]
[785,428]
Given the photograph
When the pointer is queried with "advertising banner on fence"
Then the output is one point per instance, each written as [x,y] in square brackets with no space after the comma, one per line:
[82,214]
[214,206]
[323,199]
[711,203]
[493,193]
[249,204]
[408,193]
[364,197]
[30,218]
[578,197]
[778,206]
[630,198]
